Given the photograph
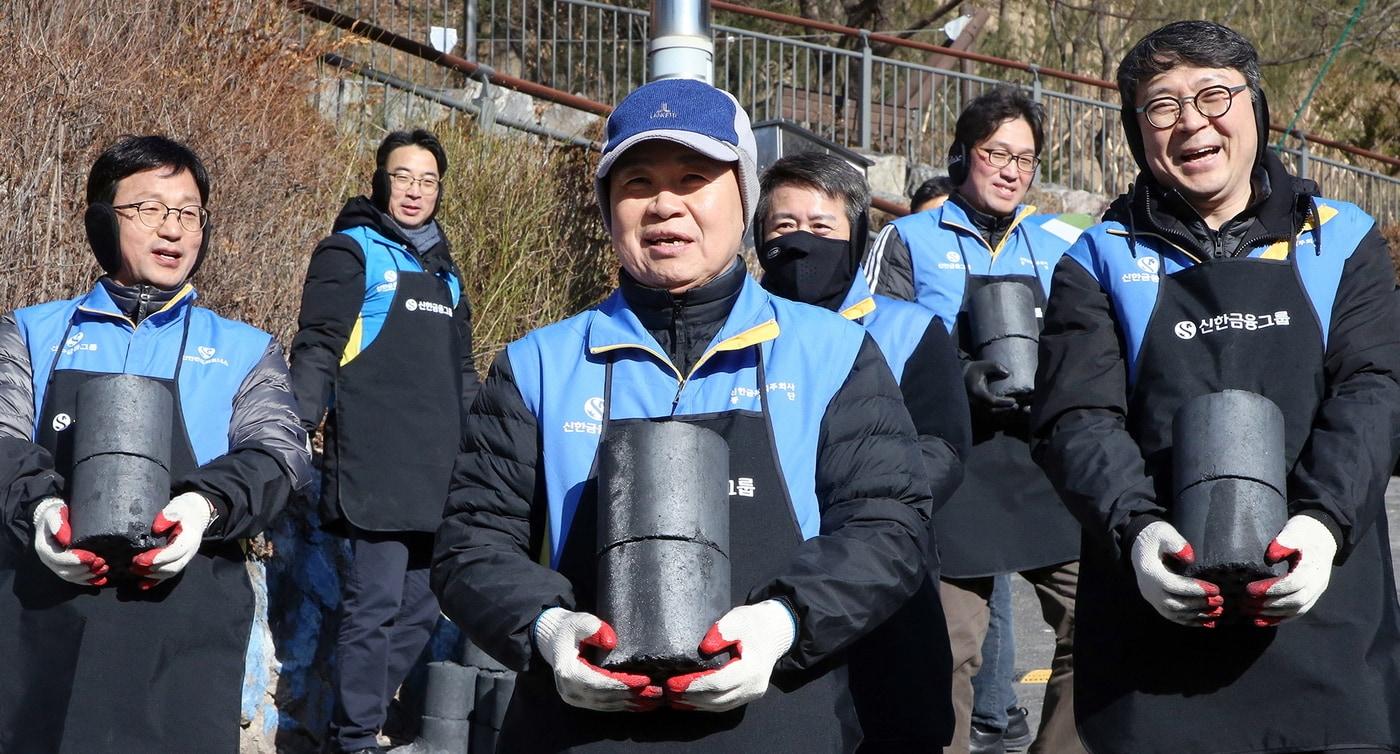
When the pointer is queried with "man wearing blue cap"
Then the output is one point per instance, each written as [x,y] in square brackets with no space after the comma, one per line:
[829,505]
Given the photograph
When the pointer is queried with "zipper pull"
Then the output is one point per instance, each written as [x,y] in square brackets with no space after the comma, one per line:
[143,302]
[677,400]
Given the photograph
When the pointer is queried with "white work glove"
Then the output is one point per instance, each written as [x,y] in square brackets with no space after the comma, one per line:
[1309,548]
[758,635]
[52,537]
[559,635]
[1158,553]
[183,522]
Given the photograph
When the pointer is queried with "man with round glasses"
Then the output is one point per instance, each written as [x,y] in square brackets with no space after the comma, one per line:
[146,655]
[1220,270]
[1005,517]
[384,352]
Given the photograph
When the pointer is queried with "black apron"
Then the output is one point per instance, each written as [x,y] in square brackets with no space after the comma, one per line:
[803,711]
[1005,516]
[117,668]
[1143,684]
[392,434]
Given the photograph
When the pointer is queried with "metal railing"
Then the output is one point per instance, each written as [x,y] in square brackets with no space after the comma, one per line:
[597,51]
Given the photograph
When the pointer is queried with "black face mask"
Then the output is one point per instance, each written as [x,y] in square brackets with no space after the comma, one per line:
[804,267]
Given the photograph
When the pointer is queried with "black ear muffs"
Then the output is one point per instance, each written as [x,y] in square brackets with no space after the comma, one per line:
[380,189]
[203,248]
[100,222]
[957,163]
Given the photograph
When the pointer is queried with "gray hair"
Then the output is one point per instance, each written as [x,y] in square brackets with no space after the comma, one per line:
[823,172]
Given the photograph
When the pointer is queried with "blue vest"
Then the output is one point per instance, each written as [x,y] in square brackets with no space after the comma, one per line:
[945,247]
[896,326]
[807,354]
[384,260]
[1131,277]
[218,355]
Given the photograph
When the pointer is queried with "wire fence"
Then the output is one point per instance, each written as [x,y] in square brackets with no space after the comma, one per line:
[850,96]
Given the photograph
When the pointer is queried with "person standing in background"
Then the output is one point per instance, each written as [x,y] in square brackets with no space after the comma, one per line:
[384,351]
[1006,517]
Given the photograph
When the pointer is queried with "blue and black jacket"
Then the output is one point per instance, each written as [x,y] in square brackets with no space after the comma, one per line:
[350,283]
[926,257]
[1105,291]
[234,397]
[925,363]
[843,437]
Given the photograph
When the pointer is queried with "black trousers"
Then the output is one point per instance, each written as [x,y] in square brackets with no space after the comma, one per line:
[387,614]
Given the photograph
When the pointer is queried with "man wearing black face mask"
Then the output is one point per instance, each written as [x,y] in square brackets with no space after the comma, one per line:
[1006,517]
[811,221]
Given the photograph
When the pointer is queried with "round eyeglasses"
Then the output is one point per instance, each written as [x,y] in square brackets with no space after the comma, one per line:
[1211,102]
[152,214]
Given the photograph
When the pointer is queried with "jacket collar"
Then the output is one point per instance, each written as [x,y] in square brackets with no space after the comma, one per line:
[1274,209]
[614,326]
[950,215]
[859,301]
[98,302]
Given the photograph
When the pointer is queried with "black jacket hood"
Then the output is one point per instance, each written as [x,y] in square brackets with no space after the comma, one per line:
[362,212]
[1281,204]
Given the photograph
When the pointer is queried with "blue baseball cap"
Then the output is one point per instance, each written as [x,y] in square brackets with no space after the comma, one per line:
[690,113]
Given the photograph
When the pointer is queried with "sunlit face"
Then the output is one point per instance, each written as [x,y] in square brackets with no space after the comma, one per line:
[411,206]
[998,190]
[1207,160]
[792,208]
[677,216]
[161,256]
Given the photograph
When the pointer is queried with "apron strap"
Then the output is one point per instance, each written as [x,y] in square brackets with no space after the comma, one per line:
[180,354]
[53,363]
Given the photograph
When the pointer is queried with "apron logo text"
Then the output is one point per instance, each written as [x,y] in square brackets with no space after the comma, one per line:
[744,487]
[1187,329]
[206,356]
[419,305]
[75,344]
[954,262]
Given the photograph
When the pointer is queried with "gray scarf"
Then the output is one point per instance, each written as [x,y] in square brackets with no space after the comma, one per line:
[424,237]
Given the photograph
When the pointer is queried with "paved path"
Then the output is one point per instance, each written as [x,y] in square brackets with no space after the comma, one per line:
[1035,643]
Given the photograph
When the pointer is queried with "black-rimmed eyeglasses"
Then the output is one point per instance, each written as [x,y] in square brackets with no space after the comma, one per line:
[1211,102]
[1000,158]
[152,214]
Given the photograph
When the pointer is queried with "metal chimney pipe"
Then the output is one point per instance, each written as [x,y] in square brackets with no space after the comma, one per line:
[682,44]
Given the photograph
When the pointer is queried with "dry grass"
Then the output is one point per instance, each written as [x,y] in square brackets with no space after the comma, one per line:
[1391,234]
[218,76]
[525,232]
[231,78]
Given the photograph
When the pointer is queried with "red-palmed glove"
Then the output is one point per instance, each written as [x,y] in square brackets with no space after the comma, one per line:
[52,537]
[183,522]
[1309,548]
[757,635]
[559,637]
[1158,553]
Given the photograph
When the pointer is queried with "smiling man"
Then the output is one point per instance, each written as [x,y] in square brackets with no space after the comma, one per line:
[831,511]
[384,351]
[1220,270]
[146,655]
[1005,517]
